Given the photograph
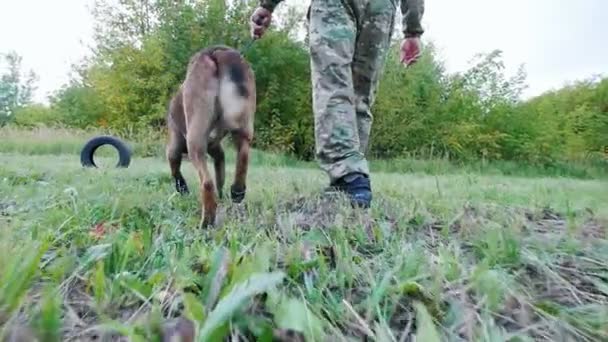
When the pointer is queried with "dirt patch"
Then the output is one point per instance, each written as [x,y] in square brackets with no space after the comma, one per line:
[306,214]
[594,229]
[588,230]
[7,208]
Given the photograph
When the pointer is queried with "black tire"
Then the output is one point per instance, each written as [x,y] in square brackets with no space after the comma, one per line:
[88,151]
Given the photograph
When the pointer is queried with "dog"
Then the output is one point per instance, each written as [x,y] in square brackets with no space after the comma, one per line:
[216,99]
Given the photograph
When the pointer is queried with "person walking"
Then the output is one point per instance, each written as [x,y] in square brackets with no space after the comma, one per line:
[349,41]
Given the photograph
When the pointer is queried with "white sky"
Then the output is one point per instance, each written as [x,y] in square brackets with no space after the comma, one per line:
[557,40]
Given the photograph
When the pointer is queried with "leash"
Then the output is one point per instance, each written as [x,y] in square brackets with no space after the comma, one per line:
[244,50]
[247,46]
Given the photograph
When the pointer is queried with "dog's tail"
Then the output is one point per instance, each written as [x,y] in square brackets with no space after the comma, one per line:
[226,78]
[232,68]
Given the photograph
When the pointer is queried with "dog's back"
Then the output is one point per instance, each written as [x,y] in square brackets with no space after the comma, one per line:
[220,74]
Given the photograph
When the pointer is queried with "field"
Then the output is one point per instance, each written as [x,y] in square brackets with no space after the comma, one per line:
[456,256]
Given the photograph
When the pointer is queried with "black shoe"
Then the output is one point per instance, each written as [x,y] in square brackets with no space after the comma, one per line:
[356,186]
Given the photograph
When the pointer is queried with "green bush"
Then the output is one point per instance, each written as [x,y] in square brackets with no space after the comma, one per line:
[35,115]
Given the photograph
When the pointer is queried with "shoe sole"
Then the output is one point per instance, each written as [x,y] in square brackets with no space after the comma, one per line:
[354,201]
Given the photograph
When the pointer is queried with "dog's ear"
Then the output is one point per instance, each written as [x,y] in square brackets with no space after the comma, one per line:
[209,67]
[208,62]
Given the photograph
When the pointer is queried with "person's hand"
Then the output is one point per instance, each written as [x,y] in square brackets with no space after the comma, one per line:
[410,50]
[260,21]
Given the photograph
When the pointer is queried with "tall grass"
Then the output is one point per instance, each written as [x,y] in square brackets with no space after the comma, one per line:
[592,169]
[60,141]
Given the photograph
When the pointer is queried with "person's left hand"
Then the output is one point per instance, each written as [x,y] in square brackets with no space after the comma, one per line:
[410,50]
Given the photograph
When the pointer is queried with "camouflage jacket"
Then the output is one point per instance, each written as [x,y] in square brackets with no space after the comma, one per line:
[412,11]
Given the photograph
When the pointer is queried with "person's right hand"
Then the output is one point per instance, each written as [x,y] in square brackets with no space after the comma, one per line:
[260,21]
[410,50]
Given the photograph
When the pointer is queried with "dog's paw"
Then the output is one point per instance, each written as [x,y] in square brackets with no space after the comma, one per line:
[205,223]
[181,186]
[237,193]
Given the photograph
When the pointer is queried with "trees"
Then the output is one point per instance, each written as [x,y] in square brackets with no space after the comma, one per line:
[573,121]
[142,48]
[16,88]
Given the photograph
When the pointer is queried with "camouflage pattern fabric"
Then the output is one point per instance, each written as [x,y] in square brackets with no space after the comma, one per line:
[349,41]
[412,11]
[270,4]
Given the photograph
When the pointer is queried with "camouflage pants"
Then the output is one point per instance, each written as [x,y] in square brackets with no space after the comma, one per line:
[349,41]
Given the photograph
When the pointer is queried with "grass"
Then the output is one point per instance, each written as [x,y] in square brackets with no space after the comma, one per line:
[453,252]
[458,256]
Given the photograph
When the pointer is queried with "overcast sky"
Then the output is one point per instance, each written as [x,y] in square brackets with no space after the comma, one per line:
[556,40]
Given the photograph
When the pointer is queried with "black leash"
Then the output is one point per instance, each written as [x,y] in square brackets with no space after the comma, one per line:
[247,46]
[244,50]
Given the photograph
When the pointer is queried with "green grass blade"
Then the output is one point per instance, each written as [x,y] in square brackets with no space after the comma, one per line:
[227,306]
[427,331]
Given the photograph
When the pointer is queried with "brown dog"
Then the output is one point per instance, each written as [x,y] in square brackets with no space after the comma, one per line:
[217,98]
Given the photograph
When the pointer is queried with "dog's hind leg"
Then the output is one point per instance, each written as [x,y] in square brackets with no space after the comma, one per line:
[239,186]
[197,150]
[216,151]
[174,151]
[199,99]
